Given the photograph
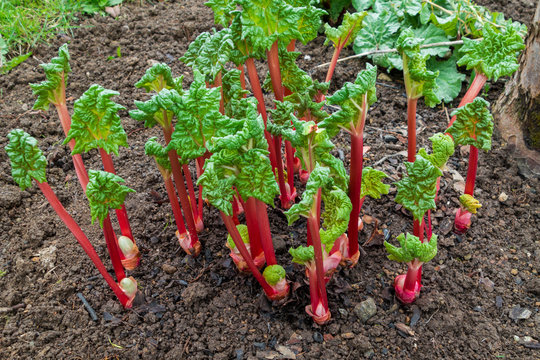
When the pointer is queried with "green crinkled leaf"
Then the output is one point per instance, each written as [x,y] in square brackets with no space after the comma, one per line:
[157,110]
[209,53]
[222,10]
[27,160]
[412,248]
[50,90]
[372,184]
[336,166]
[495,55]
[469,203]
[218,191]
[154,149]
[344,34]
[443,148]
[379,32]
[473,125]
[361,5]
[199,119]
[159,77]
[243,231]
[416,192]
[449,80]
[337,210]
[256,178]
[95,122]
[419,81]
[302,254]
[319,178]
[104,192]
[351,98]
[305,106]
[274,274]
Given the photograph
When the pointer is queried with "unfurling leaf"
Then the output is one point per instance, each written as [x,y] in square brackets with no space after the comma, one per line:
[154,149]
[372,184]
[412,248]
[159,77]
[50,90]
[302,254]
[274,274]
[243,231]
[104,192]
[495,55]
[416,192]
[473,125]
[443,148]
[95,122]
[27,160]
[469,203]
[348,30]
[223,10]
[157,110]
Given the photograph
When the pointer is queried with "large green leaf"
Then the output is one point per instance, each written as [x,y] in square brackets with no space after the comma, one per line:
[473,125]
[449,80]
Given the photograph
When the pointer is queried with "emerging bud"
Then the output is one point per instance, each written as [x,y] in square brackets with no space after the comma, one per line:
[462,221]
[404,295]
[129,287]
[130,251]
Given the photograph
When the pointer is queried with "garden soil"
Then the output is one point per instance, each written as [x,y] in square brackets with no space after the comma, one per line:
[480,298]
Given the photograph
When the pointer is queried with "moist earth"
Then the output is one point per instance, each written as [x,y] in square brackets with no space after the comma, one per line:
[480,298]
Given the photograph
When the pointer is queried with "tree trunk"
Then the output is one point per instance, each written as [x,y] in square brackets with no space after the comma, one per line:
[517,111]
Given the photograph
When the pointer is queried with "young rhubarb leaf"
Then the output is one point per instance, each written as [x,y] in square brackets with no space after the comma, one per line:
[157,110]
[154,149]
[273,274]
[209,53]
[302,254]
[104,192]
[412,248]
[243,231]
[495,55]
[473,125]
[304,105]
[469,203]
[218,190]
[292,77]
[337,210]
[443,148]
[345,34]
[95,122]
[449,80]
[318,179]
[27,160]
[159,77]
[51,90]
[372,184]
[223,11]
[419,81]
[351,98]
[199,119]
[417,191]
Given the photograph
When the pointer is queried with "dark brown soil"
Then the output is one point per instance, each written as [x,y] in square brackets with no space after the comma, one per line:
[201,308]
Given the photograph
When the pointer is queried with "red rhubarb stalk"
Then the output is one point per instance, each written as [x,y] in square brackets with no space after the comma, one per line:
[313,224]
[253,227]
[476,86]
[171,192]
[266,236]
[199,225]
[114,250]
[83,241]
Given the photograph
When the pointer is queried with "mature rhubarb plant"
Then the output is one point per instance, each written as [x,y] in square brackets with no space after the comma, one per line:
[29,164]
[419,81]
[159,111]
[473,126]
[355,100]
[317,257]
[53,91]
[96,125]
[342,36]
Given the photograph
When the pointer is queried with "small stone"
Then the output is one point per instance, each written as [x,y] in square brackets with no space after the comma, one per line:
[168,269]
[519,313]
[404,329]
[384,77]
[259,345]
[318,337]
[328,337]
[514,271]
[365,310]
[498,301]
[390,139]
[486,284]
[503,197]
[347,335]
[343,312]
[294,339]
[456,176]
[307,57]
[477,308]
[239,354]
[527,339]
[459,186]
[467,257]
[285,352]
[369,354]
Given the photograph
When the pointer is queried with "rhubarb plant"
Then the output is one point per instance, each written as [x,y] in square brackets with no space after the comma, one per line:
[355,100]
[96,125]
[53,91]
[414,253]
[28,164]
[473,126]
[159,111]
[317,257]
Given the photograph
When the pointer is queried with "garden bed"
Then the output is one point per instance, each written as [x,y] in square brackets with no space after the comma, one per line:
[200,307]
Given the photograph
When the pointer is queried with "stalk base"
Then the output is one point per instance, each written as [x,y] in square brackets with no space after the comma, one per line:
[242,265]
[321,315]
[185,242]
[131,262]
[406,296]
[462,221]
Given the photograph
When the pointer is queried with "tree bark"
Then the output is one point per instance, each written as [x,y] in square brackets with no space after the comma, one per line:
[517,111]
